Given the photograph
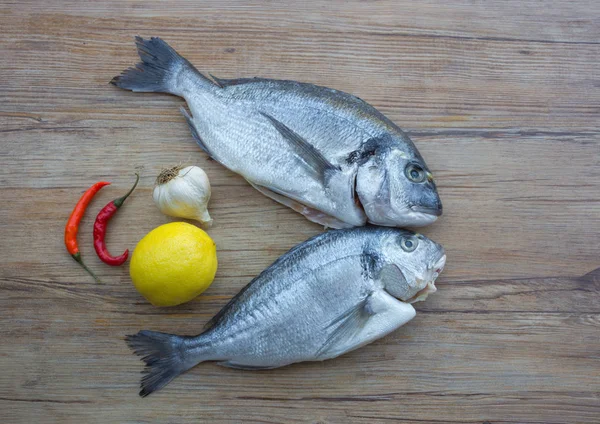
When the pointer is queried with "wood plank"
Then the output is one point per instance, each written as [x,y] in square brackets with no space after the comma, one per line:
[474,357]
[554,21]
[420,82]
[502,99]
[502,217]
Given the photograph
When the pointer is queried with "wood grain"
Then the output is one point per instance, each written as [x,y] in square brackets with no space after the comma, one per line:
[502,99]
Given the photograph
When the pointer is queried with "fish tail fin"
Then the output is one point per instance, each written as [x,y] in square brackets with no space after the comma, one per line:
[164,355]
[161,70]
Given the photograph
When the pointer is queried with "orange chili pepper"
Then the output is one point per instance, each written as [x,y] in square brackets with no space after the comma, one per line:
[72,226]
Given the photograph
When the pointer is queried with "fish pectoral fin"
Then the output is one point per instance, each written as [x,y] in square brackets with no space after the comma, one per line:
[195,134]
[306,151]
[311,214]
[235,365]
[376,316]
[347,325]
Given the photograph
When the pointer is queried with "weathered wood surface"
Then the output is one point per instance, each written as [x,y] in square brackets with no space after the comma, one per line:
[502,99]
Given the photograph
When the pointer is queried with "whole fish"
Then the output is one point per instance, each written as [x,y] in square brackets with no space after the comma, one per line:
[327,296]
[324,153]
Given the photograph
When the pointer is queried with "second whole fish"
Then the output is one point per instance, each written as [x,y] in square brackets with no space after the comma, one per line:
[327,296]
[324,153]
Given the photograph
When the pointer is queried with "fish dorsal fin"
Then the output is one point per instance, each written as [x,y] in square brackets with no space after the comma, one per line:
[348,324]
[224,82]
[306,151]
[225,309]
[220,82]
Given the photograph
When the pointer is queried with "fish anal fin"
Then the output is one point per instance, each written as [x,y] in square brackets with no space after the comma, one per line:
[306,151]
[237,366]
[193,130]
[311,214]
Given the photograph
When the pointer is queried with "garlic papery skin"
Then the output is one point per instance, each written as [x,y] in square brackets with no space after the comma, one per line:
[183,193]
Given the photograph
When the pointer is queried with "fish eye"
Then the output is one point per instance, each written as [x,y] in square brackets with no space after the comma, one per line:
[408,244]
[415,173]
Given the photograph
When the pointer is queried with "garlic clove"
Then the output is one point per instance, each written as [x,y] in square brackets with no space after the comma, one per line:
[205,219]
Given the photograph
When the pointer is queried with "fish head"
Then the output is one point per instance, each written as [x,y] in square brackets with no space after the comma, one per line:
[412,264]
[397,189]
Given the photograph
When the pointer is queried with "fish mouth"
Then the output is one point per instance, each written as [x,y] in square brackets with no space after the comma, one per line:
[427,210]
[435,270]
[438,267]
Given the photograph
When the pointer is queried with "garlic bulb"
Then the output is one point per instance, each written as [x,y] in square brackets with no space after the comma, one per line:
[183,193]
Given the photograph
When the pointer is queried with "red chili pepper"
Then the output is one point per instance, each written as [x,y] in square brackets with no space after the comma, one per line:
[72,226]
[100,229]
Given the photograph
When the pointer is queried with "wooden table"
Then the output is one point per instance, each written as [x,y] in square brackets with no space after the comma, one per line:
[501,98]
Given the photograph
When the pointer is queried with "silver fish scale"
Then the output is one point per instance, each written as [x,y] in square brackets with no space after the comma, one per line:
[322,152]
[338,161]
[285,314]
[298,263]
[276,320]
[231,123]
[336,123]
[243,141]
[332,294]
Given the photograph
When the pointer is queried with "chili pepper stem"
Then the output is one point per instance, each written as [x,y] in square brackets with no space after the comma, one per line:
[77,257]
[119,202]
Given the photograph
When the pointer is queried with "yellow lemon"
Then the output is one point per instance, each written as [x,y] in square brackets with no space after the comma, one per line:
[173,264]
